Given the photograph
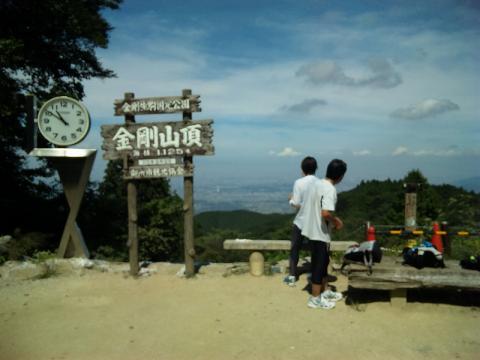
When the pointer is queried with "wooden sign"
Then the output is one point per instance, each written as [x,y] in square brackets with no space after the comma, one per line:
[158,139]
[157,105]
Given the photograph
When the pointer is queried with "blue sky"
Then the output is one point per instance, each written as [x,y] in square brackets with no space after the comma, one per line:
[388,86]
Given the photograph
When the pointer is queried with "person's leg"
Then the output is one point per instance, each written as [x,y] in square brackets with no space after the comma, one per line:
[316,301]
[296,244]
[325,258]
[326,293]
[316,268]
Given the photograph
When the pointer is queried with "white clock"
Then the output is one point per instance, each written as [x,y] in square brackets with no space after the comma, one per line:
[63,121]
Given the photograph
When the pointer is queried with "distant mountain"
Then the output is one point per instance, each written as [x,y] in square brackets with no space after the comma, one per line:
[380,202]
[470,184]
[242,221]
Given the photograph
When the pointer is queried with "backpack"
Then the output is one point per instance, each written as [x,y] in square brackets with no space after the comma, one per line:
[471,263]
[368,252]
[425,255]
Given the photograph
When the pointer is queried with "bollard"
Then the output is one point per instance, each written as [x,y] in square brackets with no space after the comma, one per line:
[437,238]
[371,233]
[257,264]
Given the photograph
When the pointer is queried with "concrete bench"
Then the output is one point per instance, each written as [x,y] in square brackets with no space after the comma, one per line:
[256,246]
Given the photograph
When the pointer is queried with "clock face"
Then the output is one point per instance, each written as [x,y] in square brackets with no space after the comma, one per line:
[63,121]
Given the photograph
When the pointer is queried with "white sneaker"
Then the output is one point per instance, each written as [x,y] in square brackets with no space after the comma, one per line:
[320,303]
[330,295]
[290,280]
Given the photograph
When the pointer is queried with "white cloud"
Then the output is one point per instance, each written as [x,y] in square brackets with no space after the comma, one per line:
[362,152]
[382,74]
[445,152]
[305,106]
[439,152]
[401,150]
[424,109]
[287,151]
[327,72]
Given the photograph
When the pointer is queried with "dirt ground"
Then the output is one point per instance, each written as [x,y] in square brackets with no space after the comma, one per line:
[98,315]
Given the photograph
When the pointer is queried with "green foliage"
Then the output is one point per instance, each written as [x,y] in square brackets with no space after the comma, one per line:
[383,203]
[217,226]
[380,202]
[248,223]
[465,247]
[27,244]
[104,218]
[49,46]
[46,260]
[209,247]
[43,256]
[105,252]
[273,257]
[161,229]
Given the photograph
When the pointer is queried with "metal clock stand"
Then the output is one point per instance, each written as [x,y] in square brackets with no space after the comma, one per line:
[74,167]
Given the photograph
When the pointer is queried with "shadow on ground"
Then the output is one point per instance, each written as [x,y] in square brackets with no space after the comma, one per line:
[355,297]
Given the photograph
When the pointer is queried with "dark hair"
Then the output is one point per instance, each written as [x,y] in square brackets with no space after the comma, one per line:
[336,169]
[309,165]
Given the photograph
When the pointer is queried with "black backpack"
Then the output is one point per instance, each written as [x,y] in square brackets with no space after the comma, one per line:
[471,263]
[423,256]
[368,252]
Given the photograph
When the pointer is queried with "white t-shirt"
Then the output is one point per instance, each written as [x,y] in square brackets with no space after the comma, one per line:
[322,195]
[300,187]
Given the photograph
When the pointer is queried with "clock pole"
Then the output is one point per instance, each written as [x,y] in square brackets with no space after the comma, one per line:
[61,126]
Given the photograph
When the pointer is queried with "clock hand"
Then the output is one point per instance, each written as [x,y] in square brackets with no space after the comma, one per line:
[61,118]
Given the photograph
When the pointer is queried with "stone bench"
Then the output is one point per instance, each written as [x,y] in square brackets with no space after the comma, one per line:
[256,246]
[392,276]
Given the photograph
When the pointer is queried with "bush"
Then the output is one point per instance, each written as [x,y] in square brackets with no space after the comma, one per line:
[465,247]
[109,253]
[25,245]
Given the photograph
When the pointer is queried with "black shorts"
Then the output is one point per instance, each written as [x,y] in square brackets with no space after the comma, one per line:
[320,261]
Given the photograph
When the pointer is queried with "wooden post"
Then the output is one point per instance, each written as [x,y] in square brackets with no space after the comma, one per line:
[446,239]
[132,206]
[188,237]
[410,207]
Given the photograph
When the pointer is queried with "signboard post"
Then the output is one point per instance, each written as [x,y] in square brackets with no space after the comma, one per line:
[132,203]
[155,150]
[188,204]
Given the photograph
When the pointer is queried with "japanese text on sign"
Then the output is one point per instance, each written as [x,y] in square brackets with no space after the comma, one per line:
[158,139]
[150,137]
[157,171]
[156,106]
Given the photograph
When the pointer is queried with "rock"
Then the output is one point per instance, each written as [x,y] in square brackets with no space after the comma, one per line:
[21,271]
[4,240]
[82,263]
[181,272]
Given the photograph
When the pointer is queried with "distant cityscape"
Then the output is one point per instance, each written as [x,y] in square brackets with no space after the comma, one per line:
[260,195]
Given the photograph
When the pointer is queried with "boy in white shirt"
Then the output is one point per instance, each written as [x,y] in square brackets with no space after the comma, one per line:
[309,167]
[318,222]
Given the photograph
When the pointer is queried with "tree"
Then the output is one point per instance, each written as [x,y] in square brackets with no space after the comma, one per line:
[160,225]
[47,48]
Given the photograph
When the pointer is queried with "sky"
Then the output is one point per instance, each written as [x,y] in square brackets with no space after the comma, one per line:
[387,86]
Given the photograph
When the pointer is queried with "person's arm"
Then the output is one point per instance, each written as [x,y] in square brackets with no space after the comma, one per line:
[328,202]
[329,217]
[294,199]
